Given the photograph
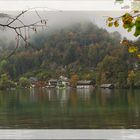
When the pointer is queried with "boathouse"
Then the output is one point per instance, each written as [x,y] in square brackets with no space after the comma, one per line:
[84,84]
[110,86]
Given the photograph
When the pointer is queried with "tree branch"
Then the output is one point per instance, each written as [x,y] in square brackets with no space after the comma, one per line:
[22,30]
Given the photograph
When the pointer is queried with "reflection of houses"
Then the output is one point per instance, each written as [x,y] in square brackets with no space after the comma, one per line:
[110,86]
[84,94]
[84,84]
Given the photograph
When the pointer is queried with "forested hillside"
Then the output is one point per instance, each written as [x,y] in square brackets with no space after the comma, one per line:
[82,49]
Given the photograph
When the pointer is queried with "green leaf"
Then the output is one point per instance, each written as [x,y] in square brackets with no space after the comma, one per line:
[137,31]
[138,19]
[137,22]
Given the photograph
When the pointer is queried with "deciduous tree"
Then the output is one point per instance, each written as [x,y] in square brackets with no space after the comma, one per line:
[130,21]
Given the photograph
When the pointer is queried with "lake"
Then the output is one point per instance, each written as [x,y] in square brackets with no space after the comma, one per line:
[78,108]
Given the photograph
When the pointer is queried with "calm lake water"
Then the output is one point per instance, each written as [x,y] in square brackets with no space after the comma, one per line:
[82,108]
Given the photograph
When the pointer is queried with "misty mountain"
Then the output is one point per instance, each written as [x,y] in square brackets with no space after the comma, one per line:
[75,48]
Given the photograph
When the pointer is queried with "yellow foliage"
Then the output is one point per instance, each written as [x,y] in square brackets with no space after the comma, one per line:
[127,18]
[138,55]
[132,49]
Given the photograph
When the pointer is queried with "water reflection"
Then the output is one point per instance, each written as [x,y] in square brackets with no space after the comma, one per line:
[70,108]
[32,95]
[84,94]
[63,97]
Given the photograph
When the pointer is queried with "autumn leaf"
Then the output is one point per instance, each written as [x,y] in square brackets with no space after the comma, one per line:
[110,24]
[116,24]
[110,19]
[132,49]
[125,42]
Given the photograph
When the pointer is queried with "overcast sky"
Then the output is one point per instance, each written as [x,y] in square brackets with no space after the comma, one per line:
[65,5]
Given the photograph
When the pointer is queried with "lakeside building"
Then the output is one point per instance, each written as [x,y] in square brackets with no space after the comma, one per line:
[84,84]
[110,86]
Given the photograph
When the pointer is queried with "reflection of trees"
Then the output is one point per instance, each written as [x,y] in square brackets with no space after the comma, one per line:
[73,98]
[32,95]
[119,109]
[105,97]
[48,94]
[63,97]
[84,94]
[69,108]
[131,97]
[134,103]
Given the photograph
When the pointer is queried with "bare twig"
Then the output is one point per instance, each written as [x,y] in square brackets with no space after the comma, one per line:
[22,30]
